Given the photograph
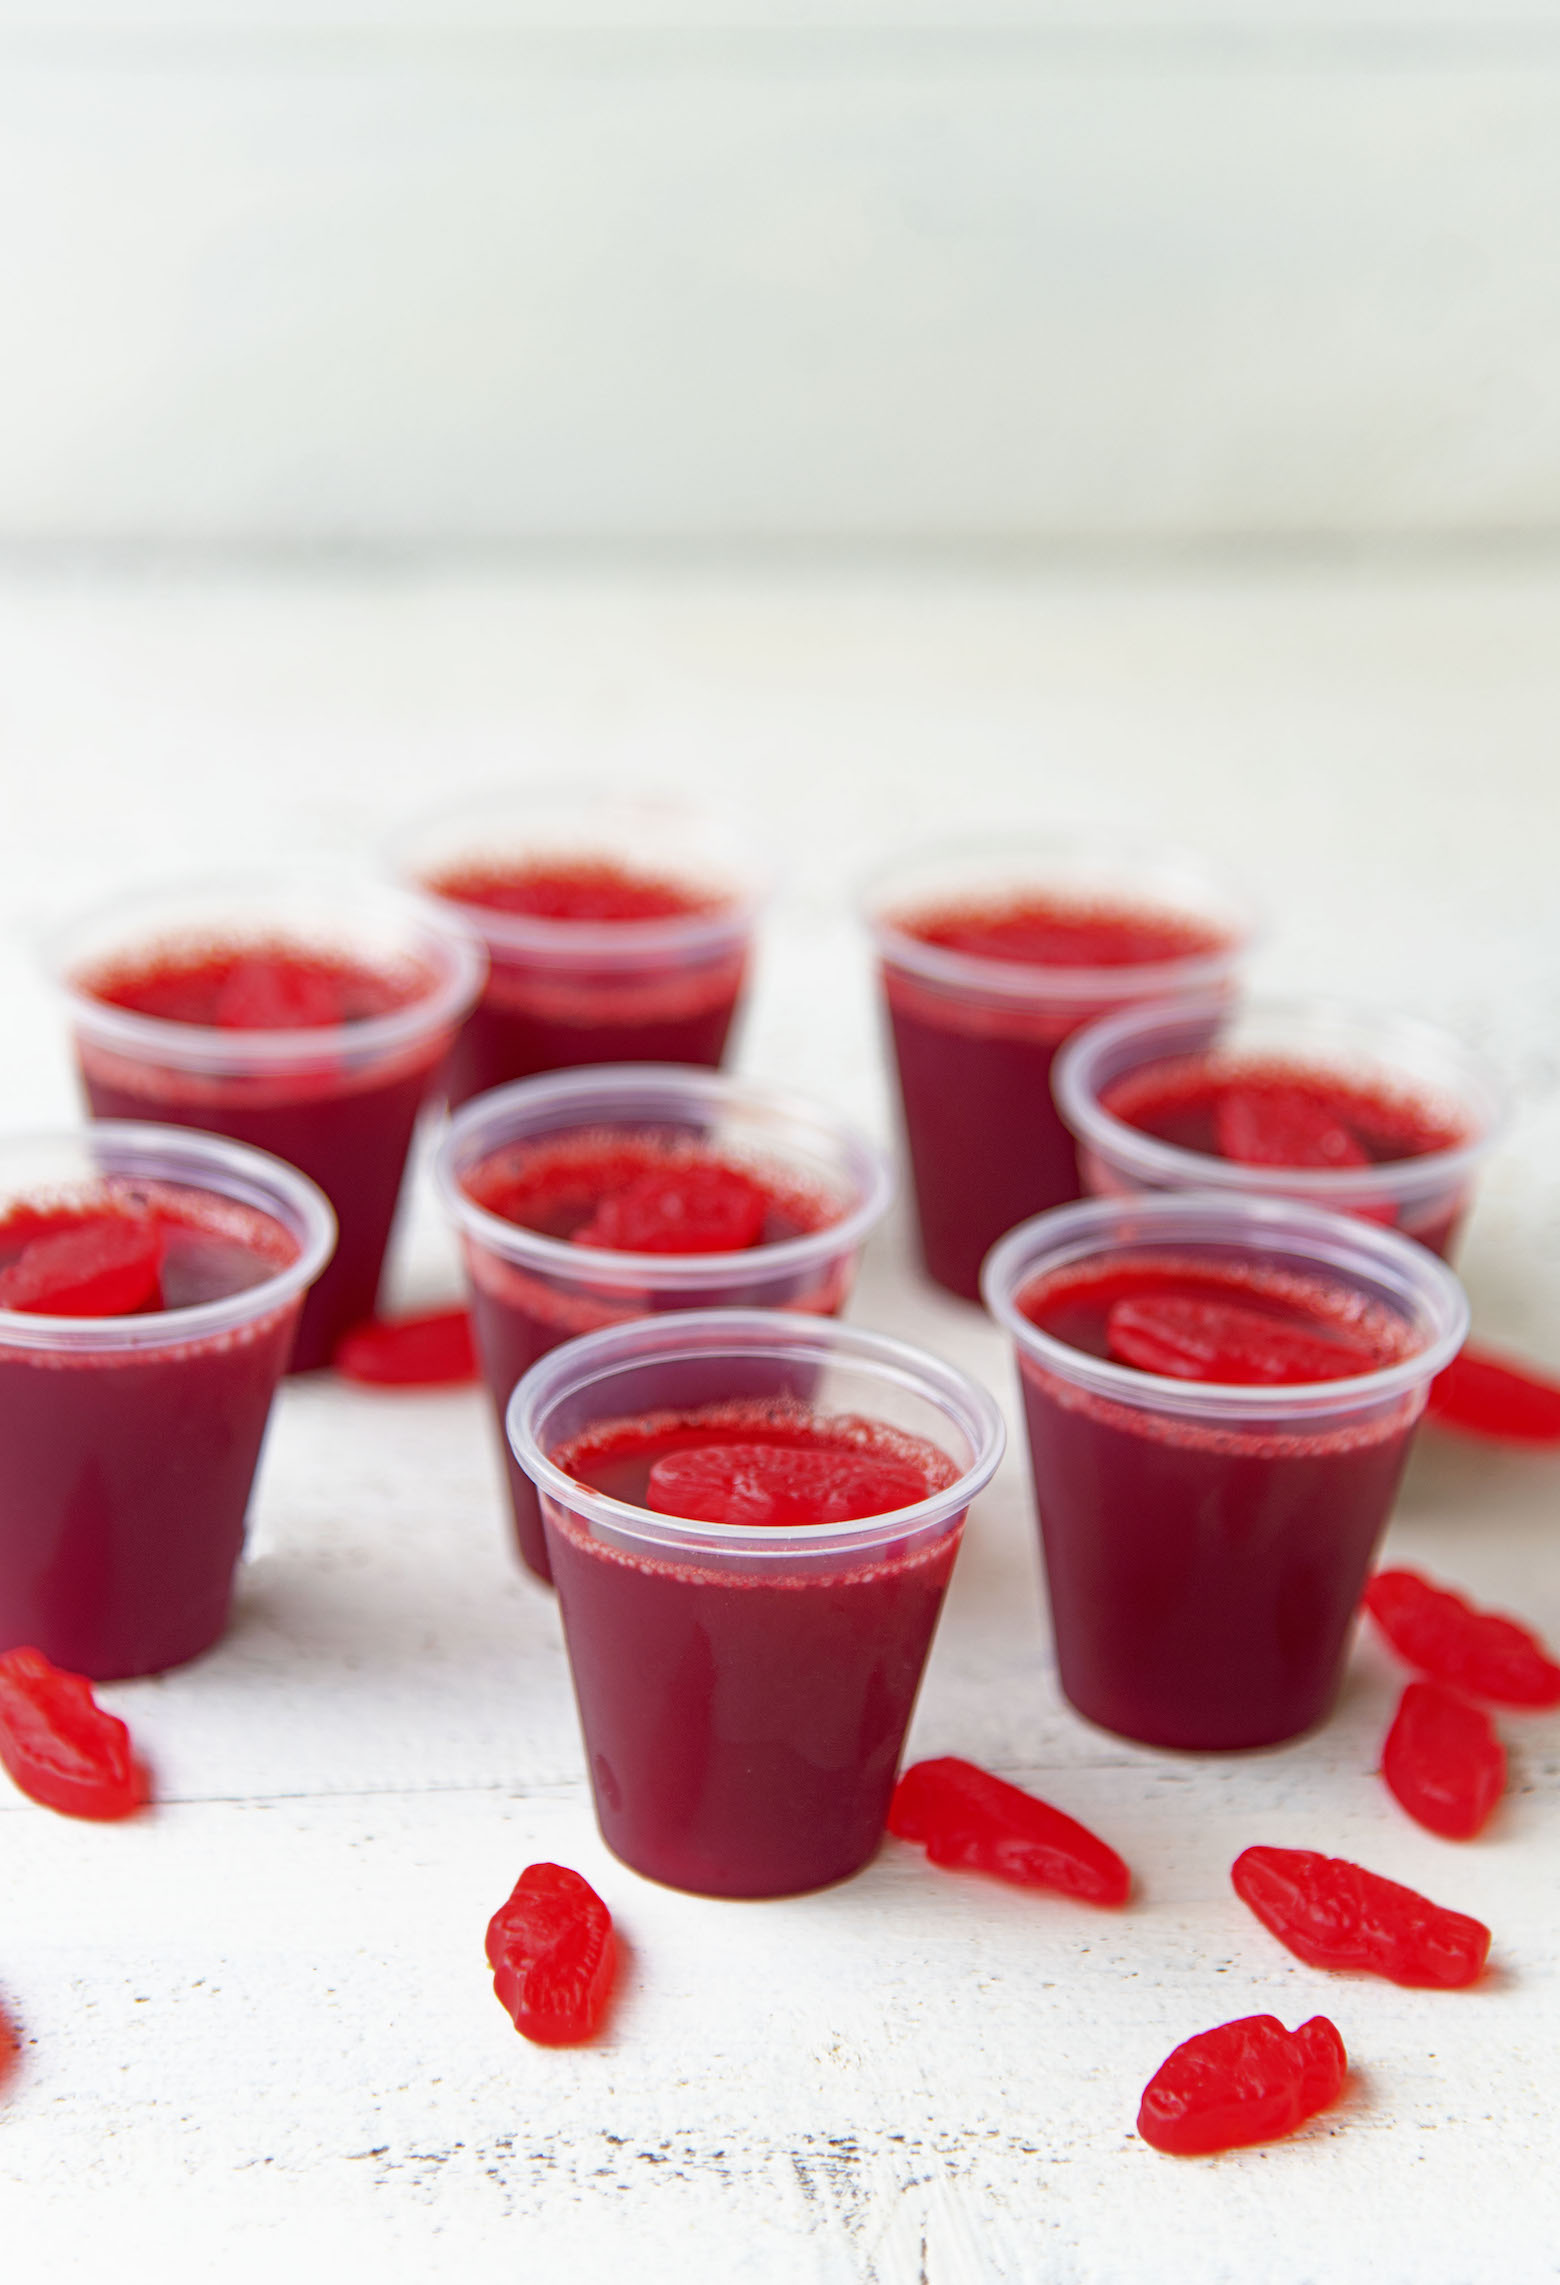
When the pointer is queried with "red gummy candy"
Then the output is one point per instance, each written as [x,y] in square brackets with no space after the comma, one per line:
[979,1823]
[1486,1395]
[1283,1126]
[1192,1340]
[59,1745]
[1443,1762]
[10,2045]
[781,1484]
[261,994]
[552,1953]
[432,1351]
[679,1210]
[1453,1641]
[1248,2081]
[105,1267]
[1333,1914]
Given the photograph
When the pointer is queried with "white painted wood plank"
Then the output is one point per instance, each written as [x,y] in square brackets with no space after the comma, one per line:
[522,297]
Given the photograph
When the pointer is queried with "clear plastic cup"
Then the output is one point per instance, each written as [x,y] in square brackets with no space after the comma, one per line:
[339,1101]
[529,1291]
[744,1692]
[1415,1069]
[1206,1543]
[566,991]
[974,1037]
[131,1442]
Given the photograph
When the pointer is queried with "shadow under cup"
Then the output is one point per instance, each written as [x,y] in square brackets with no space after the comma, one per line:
[529,1292]
[130,1443]
[744,1691]
[1206,1543]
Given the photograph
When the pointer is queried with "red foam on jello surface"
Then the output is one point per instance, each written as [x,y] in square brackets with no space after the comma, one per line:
[1284,1126]
[1055,933]
[587,890]
[266,987]
[106,1266]
[781,1484]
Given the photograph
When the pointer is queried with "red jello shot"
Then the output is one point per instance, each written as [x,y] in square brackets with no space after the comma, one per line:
[1337,1106]
[588,1198]
[992,954]
[150,1288]
[618,929]
[752,1519]
[1220,1396]
[306,1017]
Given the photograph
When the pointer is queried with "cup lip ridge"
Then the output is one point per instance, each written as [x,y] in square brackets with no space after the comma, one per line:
[593,1357]
[189,1157]
[870,1167]
[1337,1241]
[552,941]
[1026,981]
[206,1048]
[1149,1158]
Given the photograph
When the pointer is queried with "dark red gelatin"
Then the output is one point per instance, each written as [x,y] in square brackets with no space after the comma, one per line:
[987,1145]
[577,1190]
[127,1471]
[347,1124]
[541,1015]
[743,1725]
[1282,1115]
[1203,1577]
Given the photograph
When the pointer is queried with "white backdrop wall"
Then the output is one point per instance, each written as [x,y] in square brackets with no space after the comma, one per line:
[435,271]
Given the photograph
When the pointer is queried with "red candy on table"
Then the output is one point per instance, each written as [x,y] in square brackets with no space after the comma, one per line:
[1443,1762]
[1196,1340]
[679,1210]
[1451,1640]
[969,1819]
[59,1746]
[1248,2081]
[1285,1127]
[552,1954]
[1489,1396]
[430,1351]
[103,1266]
[781,1484]
[10,2045]
[1333,1914]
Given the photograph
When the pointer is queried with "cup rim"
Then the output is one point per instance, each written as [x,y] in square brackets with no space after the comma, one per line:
[783,1334]
[1074,1086]
[1024,981]
[192,1159]
[669,1086]
[552,941]
[461,973]
[1096,1226]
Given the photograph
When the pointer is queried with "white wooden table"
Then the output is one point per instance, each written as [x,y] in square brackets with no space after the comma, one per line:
[260,2035]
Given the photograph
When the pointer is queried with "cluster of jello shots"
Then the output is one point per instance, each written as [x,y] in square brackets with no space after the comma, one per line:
[1214,1229]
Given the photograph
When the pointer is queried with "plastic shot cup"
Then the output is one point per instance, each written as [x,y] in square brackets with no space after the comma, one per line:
[1390,1077]
[744,1690]
[339,1100]
[130,1442]
[991,954]
[618,929]
[529,1291]
[1206,1543]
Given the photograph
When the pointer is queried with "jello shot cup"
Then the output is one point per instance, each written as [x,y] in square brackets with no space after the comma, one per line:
[991,954]
[150,1287]
[618,929]
[560,1187]
[1332,1105]
[744,1687]
[308,1017]
[1220,1396]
